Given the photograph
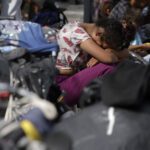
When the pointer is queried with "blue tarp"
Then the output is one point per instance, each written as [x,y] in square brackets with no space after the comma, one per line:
[25,34]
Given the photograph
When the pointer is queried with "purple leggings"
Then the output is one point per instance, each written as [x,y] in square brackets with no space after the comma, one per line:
[74,85]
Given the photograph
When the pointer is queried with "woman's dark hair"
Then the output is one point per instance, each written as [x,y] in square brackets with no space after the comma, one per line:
[105,9]
[133,16]
[115,34]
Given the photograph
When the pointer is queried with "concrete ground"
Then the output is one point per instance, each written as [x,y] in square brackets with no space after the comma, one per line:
[73,11]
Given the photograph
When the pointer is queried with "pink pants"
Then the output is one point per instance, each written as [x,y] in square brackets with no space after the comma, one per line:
[74,85]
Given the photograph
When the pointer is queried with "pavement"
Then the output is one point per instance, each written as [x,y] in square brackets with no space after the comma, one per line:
[73,11]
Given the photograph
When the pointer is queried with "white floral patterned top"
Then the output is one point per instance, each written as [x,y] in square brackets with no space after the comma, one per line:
[69,38]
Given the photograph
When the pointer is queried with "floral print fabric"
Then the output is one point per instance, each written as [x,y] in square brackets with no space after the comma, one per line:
[69,38]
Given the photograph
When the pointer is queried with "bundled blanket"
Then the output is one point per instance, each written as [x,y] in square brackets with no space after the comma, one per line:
[24,34]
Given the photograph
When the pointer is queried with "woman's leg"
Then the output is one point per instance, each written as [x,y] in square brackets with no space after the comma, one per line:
[11,8]
[74,85]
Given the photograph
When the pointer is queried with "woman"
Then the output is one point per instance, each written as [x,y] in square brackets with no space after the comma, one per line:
[79,40]
[108,34]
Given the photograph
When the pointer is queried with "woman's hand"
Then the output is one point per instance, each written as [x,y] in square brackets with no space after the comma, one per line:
[66,71]
[92,62]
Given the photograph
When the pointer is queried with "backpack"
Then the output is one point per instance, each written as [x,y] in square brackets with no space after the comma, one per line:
[99,127]
[35,72]
[126,87]
[51,16]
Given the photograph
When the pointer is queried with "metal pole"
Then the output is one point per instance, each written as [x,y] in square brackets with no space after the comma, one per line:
[88,11]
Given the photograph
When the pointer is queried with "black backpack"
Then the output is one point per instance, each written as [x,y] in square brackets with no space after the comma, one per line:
[106,128]
[127,87]
[35,72]
[50,15]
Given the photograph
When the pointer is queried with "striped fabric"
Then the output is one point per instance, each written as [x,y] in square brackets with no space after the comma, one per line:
[119,10]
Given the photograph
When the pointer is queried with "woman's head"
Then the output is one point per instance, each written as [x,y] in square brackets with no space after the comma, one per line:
[132,17]
[139,3]
[105,8]
[114,35]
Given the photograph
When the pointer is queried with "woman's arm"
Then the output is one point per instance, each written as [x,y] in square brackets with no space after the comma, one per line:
[145,46]
[97,52]
[120,55]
